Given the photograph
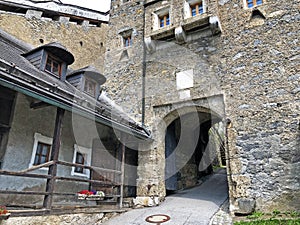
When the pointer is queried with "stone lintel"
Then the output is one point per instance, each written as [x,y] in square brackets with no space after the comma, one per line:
[30,13]
[63,19]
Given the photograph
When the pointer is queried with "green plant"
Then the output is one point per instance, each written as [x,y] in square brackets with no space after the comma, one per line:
[276,212]
[255,215]
[295,214]
[269,222]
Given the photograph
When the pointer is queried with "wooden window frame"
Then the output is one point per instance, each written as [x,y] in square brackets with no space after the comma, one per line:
[53,60]
[127,41]
[166,20]
[87,152]
[197,6]
[40,139]
[82,162]
[39,153]
[254,3]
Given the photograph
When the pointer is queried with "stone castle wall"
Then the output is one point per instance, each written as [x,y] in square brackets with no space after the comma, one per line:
[260,74]
[248,74]
[252,64]
[86,43]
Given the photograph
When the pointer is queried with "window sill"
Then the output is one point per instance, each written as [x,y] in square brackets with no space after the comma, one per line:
[163,32]
[196,21]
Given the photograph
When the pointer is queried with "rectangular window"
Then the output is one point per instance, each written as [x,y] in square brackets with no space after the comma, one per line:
[127,41]
[81,156]
[164,20]
[42,153]
[41,150]
[53,66]
[252,3]
[90,87]
[79,160]
[197,9]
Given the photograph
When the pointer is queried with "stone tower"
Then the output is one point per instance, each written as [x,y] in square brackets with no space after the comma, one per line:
[232,63]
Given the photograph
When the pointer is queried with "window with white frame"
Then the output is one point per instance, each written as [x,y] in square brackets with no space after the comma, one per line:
[194,8]
[41,150]
[161,19]
[81,156]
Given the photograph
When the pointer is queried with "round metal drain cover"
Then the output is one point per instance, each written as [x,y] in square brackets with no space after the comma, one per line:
[158,218]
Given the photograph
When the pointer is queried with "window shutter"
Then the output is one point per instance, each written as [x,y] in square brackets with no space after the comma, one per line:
[204,6]
[155,21]
[187,11]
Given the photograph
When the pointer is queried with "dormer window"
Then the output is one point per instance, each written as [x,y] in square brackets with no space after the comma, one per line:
[90,87]
[52,58]
[87,80]
[53,65]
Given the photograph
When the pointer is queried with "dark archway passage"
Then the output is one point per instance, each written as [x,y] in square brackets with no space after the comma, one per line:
[191,149]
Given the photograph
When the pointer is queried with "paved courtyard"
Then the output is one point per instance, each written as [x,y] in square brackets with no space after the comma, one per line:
[195,206]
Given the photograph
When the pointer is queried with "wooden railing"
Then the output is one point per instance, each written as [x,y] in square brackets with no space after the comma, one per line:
[109,178]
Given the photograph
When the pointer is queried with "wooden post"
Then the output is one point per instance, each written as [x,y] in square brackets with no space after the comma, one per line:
[54,157]
[122,174]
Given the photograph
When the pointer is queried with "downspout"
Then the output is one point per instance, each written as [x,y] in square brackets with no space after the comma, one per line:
[144,66]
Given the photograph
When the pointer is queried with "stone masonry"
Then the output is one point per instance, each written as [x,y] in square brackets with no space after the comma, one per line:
[232,64]
[250,69]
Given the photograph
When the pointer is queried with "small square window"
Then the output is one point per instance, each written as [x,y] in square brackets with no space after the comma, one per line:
[194,8]
[90,87]
[164,20]
[253,3]
[197,9]
[127,41]
[53,65]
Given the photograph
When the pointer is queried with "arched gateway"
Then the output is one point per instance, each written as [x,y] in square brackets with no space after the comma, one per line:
[188,140]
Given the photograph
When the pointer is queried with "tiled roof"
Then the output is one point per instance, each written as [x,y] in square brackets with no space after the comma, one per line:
[17,71]
[56,49]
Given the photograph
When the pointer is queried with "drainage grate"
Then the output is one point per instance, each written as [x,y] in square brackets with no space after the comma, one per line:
[158,218]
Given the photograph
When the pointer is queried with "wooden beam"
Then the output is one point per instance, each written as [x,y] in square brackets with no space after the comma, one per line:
[38,105]
[22,174]
[37,167]
[54,157]
[122,174]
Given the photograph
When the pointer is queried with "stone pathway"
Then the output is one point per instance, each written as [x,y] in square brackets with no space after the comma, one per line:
[222,217]
[195,206]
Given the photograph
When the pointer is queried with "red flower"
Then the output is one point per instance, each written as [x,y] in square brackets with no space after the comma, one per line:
[86,192]
[3,210]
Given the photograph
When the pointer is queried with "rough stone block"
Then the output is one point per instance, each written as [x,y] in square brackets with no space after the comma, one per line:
[245,206]
[33,14]
[63,19]
[146,201]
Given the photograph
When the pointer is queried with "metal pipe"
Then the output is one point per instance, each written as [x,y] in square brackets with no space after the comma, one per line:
[144,67]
